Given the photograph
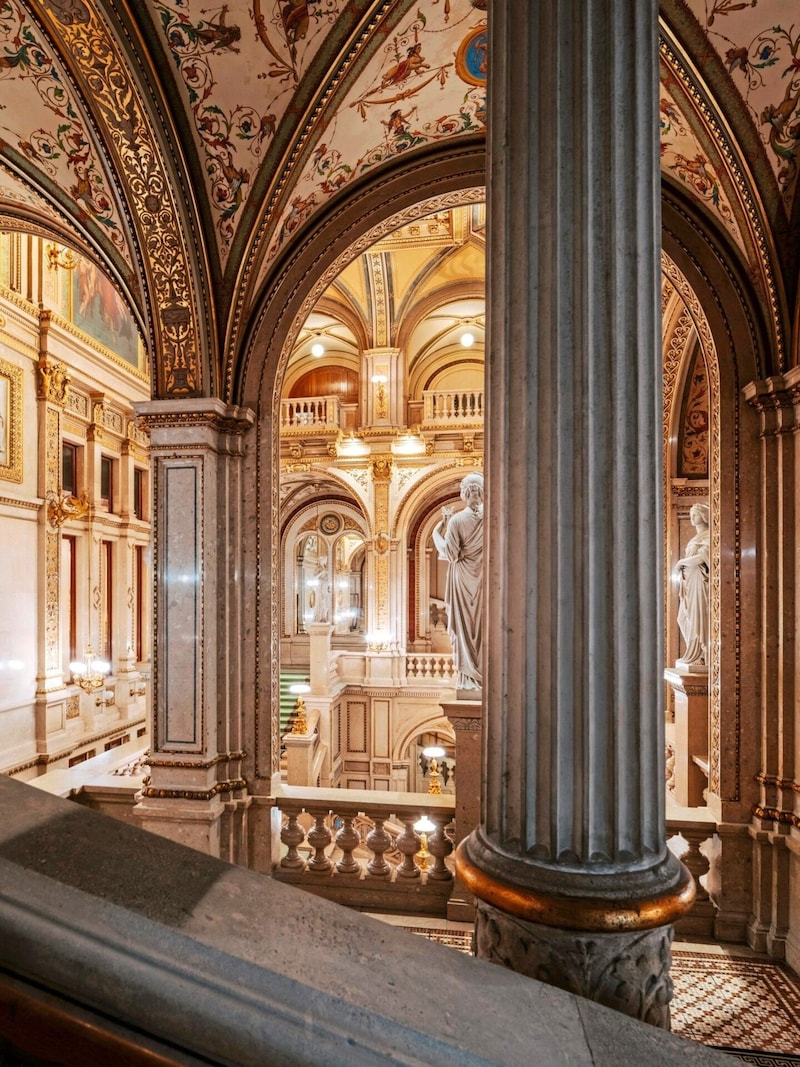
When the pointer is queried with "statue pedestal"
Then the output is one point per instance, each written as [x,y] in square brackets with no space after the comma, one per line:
[691,734]
[466,717]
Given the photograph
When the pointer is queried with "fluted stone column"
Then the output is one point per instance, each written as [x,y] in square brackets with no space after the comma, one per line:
[574,882]
[196,794]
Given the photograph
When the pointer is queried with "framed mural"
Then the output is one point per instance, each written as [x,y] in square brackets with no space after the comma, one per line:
[10,422]
[99,310]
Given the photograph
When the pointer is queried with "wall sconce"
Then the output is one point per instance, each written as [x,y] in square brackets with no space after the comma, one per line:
[138,690]
[434,753]
[378,641]
[300,724]
[424,826]
[381,396]
[91,673]
[107,698]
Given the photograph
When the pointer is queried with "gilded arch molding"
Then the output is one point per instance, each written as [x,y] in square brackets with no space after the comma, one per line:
[104,78]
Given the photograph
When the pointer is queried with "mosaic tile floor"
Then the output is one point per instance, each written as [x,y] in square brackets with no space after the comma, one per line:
[746,1006]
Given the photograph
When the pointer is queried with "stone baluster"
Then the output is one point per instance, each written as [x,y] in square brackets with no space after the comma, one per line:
[408,843]
[440,846]
[378,842]
[348,840]
[696,862]
[292,835]
[319,837]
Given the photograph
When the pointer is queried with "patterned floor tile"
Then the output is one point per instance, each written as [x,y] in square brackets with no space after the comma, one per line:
[748,1007]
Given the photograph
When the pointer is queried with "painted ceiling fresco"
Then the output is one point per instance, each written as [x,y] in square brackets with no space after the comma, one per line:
[759,44]
[189,143]
[683,157]
[427,83]
[239,66]
[43,122]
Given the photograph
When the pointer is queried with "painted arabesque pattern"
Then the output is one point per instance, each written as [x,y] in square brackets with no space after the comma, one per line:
[759,44]
[42,121]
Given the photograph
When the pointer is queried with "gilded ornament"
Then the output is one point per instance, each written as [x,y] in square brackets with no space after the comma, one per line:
[62,508]
[53,379]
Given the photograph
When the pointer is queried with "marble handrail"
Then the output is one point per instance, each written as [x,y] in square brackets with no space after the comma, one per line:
[430,667]
[334,840]
[452,406]
[302,412]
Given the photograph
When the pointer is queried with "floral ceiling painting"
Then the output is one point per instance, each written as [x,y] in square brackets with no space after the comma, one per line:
[46,125]
[759,44]
[427,83]
[241,66]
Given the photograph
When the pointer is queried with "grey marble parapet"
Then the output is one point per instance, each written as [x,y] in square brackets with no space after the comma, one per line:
[222,965]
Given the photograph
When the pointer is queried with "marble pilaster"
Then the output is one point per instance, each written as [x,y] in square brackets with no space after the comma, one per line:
[466,718]
[52,696]
[569,862]
[196,779]
[776,816]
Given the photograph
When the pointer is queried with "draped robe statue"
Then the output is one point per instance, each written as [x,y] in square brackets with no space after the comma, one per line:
[459,540]
[693,609]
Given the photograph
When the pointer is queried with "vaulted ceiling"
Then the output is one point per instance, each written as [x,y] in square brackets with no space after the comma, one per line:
[184,147]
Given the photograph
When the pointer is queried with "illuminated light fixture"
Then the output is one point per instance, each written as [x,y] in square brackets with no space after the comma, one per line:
[467,339]
[424,826]
[352,446]
[408,444]
[89,674]
[317,349]
[434,753]
[378,641]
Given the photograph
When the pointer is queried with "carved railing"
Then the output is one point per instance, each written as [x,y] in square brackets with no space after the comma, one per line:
[690,839]
[430,667]
[452,407]
[306,412]
[360,848]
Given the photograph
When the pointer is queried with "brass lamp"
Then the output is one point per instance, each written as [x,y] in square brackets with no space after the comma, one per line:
[424,826]
[434,753]
[90,673]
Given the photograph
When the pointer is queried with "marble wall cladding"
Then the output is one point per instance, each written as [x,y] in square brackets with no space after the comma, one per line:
[181,552]
[18,619]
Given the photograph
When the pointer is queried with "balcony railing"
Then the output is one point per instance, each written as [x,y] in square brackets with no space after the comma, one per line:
[452,407]
[430,667]
[360,848]
[307,412]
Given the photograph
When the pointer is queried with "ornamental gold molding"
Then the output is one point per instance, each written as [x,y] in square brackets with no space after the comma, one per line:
[709,349]
[10,422]
[362,243]
[62,508]
[743,187]
[116,99]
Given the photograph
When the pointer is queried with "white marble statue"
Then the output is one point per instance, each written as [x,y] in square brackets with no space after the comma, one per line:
[693,610]
[322,600]
[459,540]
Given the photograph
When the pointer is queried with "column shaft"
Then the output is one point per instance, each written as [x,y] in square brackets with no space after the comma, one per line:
[572,832]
